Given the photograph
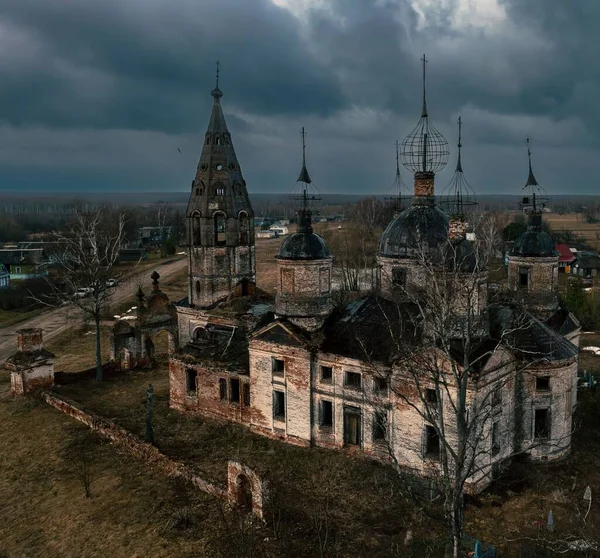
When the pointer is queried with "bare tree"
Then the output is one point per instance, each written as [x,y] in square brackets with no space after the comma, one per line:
[162,213]
[87,256]
[489,230]
[450,374]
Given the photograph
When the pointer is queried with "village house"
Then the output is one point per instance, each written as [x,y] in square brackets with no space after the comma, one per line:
[24,263]
[299,370]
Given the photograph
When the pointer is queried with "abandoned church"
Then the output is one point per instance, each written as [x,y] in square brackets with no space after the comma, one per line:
[379,373]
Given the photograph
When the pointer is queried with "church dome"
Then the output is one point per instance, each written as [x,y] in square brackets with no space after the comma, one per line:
[418,226]
[304,246]
[534,243]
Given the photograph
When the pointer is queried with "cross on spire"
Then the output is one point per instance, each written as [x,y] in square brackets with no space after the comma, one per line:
[218,70]
[216,92]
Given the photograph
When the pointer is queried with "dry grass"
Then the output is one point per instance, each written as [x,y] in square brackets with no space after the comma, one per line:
[575,222]
[44,510]
[12,317]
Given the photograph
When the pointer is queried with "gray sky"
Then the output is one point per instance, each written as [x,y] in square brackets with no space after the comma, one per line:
[100,95]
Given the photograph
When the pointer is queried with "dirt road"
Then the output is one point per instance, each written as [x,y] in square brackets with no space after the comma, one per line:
[60,319]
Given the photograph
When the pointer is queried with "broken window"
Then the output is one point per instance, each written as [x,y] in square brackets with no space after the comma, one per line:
[246,394]
[190,381]
[399,277]
[542,424]
[352,426]
[234,392]
[432,442]
[279,405]
[326,374]
[379,426]
[222,389]
[220,235]
[380,385]
[326,414]
[495,438]
[431,395]
[523,276]
[542,383]
[278,367]
[497,396]
[352,380]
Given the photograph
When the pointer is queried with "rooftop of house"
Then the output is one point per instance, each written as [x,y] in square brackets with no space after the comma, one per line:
[22,256]
[565,253]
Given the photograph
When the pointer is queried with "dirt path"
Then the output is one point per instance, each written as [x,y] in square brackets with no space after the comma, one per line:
[60,319]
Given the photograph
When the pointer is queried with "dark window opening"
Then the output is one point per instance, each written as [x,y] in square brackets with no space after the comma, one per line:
[222,389]
[234,394]
[246,394]
[398,277]
[243,230]
[497,397]
[496,438]
[207,139]
[380,384]
[542,383]
[432,442]
[190,381]
[245,287]
[523,276]
[197,287]
[326,414]
[217,140]
[278,367]
[279,405]
[220,235]
[542,424]
[352,426]
[352,380]
[227,139]
[379,426]
[220,192]
[326,374]
[196,231]
[431,395]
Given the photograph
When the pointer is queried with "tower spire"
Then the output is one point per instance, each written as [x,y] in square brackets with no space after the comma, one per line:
[216,92]
[304,176]
[424,109]
[459,162]
[531,181]
[397,161]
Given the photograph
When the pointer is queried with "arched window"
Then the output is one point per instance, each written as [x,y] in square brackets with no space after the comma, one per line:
[217,139]
[227,141]
[196,228]
[220,232]
[244,228]
[207,139]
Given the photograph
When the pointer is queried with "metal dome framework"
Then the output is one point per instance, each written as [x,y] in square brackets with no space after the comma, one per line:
[425,149]
[398,191]
[458,198]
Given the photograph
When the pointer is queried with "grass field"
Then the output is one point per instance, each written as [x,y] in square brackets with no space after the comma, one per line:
[576,223]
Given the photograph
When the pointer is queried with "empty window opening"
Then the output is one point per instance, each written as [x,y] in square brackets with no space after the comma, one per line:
[244,228]
[496,438]
[352,426]
[207,139]
[246,394]
[220,192]
[279,405]
[352,380]
[497,397]
[542,424]
[196,230]
[542,383]
[380,385]
[326,374]
[399,277]
[234,391]
[198,287]
[243,492]
[523,276]
[190,380]
[432,442]
[431,395]
[379,426]
[278,367]
[222,389]
[220,238]
[217,140]
[326,414]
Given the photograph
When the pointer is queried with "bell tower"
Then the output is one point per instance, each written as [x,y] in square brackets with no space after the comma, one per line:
[220,219]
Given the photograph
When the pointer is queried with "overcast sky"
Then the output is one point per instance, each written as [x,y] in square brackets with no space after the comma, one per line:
[101,94]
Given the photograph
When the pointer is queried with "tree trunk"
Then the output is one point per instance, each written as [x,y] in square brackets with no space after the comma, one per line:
[99,375]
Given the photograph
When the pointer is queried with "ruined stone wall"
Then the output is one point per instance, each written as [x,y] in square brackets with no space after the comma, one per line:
[29,340]
[415,276]
[304,291]
[216,271]
[541,293]
[558,399]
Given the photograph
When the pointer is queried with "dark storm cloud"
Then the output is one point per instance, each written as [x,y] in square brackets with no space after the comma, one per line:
[117,87]
[145,64]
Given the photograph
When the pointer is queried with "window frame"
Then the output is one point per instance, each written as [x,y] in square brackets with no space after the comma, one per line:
[276,370]
[380,426]
[351,385]
[328,380]
[323,403]
[279,405]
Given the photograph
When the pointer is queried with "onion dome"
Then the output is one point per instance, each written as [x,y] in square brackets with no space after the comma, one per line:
[304,244]
[534,241]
